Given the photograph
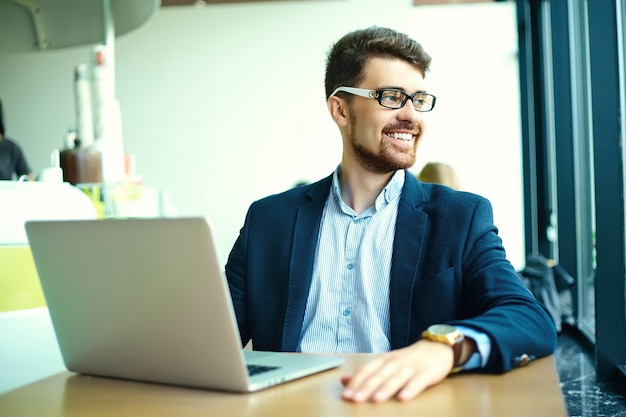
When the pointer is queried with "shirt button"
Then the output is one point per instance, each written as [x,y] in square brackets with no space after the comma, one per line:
[346,312]
[350,266]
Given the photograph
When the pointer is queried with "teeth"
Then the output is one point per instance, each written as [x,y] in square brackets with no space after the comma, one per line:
[402,136]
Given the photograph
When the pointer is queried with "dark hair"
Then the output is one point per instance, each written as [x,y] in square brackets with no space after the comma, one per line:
[348,56]
[1,121]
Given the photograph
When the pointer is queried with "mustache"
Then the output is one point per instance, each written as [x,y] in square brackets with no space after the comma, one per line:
[415,127]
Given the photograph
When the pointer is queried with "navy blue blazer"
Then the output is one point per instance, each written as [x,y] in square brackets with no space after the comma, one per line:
[448,266]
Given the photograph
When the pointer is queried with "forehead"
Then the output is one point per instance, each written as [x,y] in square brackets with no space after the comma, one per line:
[392,72]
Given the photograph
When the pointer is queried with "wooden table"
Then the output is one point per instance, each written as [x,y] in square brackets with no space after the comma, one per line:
[529,391]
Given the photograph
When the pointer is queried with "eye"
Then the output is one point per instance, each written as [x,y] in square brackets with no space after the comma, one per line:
[391,97]
[422,100]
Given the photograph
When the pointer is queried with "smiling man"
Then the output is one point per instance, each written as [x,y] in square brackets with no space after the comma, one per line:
[370,259]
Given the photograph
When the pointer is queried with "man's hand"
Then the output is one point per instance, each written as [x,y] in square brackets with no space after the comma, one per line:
[402,373]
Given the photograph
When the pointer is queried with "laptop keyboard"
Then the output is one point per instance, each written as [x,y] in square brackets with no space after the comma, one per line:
[258,369]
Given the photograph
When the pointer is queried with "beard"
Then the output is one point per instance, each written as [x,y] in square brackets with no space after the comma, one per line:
[387,159]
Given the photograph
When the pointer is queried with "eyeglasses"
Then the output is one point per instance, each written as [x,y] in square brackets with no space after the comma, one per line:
[392,98]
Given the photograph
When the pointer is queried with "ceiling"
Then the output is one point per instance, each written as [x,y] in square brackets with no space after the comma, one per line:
[27,25]
[167,3]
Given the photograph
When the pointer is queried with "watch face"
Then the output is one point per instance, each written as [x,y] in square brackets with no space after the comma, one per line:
[442,329]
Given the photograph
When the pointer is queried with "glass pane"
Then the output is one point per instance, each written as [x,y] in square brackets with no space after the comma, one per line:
[579,46]
[621,27]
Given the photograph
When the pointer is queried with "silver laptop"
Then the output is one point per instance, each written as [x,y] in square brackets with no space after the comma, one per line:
[146,299]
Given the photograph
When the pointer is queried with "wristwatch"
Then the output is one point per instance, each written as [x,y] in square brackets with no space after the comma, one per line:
[451,336]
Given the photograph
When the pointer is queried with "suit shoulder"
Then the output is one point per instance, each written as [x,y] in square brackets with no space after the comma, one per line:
[441,194]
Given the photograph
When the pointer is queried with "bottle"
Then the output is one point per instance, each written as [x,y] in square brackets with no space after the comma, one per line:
[82,101]
[71,138]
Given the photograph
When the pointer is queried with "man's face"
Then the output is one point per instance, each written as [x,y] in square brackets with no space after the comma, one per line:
[384,140]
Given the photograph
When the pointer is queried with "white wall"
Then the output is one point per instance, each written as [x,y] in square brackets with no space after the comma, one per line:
[476,125]
[214,159]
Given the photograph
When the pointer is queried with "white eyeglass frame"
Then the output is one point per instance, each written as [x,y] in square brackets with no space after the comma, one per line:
[376,95]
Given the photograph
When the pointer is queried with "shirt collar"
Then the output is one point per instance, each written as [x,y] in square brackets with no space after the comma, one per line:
[392,190]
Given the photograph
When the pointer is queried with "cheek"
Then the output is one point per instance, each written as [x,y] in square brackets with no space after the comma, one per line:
[370,128]
[422,127]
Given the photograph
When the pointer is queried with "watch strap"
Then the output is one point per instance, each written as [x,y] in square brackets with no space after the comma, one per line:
[450,336]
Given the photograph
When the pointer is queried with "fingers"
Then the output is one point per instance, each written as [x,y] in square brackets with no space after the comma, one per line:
[414,387]
[376,381]
[395,384]
[402,374]
[382,384]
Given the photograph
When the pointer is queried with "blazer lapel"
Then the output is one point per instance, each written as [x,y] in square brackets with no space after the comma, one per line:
[410,226]
[302,256]
[407,249]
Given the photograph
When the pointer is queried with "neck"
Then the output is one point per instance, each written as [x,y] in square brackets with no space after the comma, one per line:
[359,187]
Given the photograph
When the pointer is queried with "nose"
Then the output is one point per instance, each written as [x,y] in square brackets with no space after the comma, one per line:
[408,112]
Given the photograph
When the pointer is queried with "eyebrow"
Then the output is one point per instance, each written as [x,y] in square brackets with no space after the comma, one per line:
[401,89]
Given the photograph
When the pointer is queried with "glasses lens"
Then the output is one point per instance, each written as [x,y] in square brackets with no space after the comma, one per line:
[393,99]
[423,102]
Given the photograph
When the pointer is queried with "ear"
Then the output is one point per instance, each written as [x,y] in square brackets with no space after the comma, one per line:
[339,111]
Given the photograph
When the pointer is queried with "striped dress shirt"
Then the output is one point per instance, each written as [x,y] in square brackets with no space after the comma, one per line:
[348,305]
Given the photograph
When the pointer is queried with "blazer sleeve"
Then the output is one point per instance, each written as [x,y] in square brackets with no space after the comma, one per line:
[269,267]
[497,302]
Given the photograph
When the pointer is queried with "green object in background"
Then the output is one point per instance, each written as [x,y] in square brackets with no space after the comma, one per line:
[94,194]
[19,283]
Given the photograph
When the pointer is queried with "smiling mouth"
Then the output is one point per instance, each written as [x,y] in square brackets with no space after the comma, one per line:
[407,137]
